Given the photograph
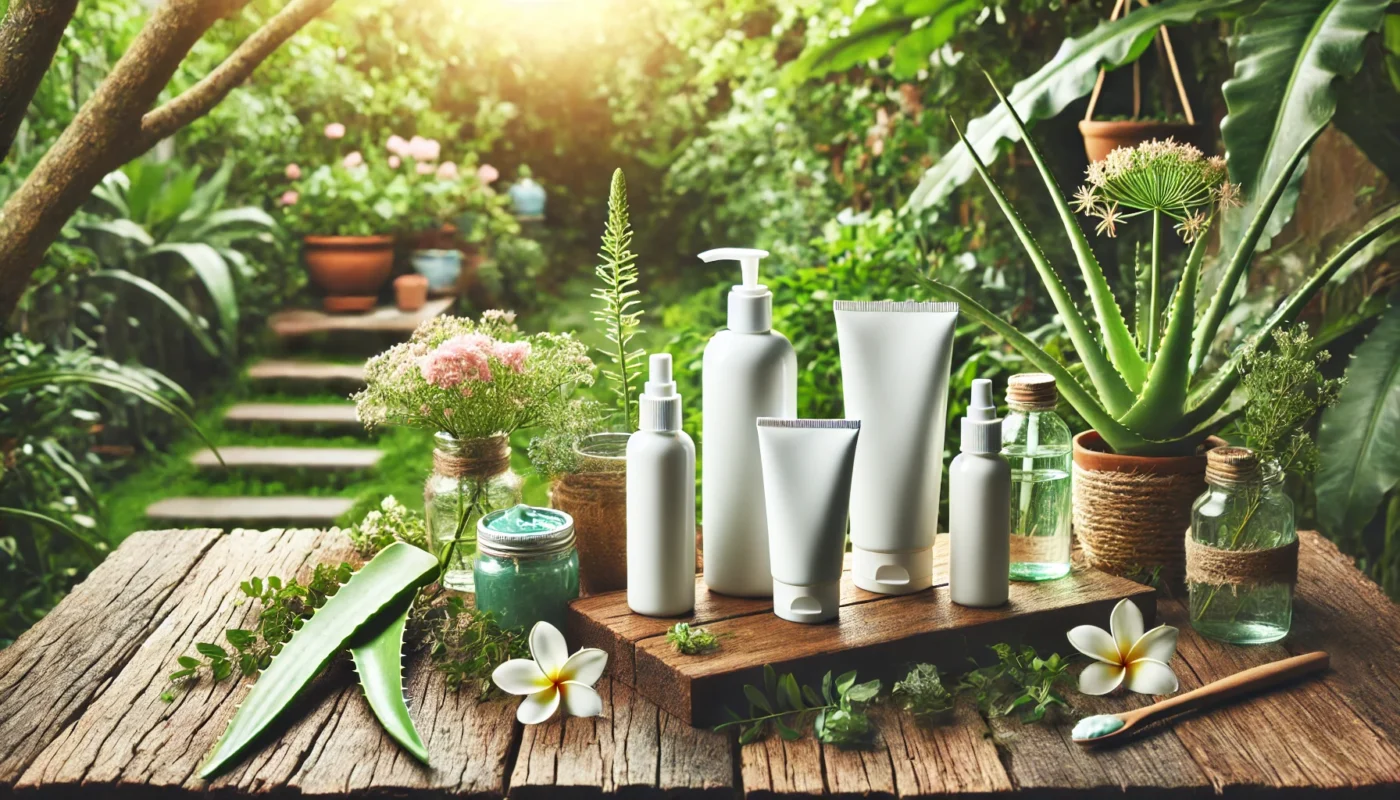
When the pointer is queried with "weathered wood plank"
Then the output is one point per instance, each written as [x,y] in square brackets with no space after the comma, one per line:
[385,319]
[633,748]
[877,638]
[294,415]
[319,459]
[285,511]
[308,374]
[51,675]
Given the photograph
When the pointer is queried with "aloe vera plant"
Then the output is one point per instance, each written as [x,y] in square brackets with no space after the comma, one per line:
[388,581]
[1151,392]
[378,657]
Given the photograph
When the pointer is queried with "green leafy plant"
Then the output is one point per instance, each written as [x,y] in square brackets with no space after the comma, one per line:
[391,522]
[465,645]
[838,714]
[1150,396]
[885,27]
[1360,462]
[619,319]
[690,641]
[1020,680]
[1285,390]
[384,583]
[284,608]
[923,694]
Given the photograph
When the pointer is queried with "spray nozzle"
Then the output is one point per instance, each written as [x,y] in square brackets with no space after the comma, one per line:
[747,257]
[659,382]
[981,430]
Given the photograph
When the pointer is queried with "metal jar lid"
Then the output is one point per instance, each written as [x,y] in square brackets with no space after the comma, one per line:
[534,544]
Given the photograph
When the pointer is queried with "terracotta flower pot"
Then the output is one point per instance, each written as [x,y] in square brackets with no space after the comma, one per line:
[1102,137]
[1131,512]
[351,269]
[410,292]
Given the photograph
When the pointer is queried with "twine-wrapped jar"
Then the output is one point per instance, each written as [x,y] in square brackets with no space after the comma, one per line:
[1241,551]
[595,495]
[470,478]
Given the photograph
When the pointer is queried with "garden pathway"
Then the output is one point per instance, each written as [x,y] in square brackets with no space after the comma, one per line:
[365,334]
[81,714]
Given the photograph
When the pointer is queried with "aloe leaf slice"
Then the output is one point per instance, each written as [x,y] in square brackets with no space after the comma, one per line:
[378,656]
[398,571]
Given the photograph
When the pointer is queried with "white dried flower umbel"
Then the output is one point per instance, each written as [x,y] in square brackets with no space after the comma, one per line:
[1163,177]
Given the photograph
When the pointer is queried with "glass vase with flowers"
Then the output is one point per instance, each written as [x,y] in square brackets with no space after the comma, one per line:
[473,383]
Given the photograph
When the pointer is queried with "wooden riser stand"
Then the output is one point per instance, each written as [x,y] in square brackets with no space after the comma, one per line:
[878,635]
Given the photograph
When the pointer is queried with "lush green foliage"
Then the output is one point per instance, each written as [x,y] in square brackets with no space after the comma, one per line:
[837,714]
[1018,681]
[690,641]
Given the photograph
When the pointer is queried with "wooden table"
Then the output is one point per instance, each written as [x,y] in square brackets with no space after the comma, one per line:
[80,714]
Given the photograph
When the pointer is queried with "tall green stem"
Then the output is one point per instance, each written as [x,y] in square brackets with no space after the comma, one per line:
[1154,308]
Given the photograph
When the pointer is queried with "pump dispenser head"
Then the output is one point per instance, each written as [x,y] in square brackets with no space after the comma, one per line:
[750,302]
[659,407]
[981,430]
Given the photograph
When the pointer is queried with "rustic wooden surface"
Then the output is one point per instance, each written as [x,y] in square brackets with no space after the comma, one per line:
[879,635]
[80,714]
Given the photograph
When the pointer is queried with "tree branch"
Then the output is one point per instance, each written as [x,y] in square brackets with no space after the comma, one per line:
[199,99]
[29,37]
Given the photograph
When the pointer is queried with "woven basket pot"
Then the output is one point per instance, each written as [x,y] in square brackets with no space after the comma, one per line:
[1131,512]
[596,497]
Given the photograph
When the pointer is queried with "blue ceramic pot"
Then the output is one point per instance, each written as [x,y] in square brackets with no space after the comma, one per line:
[440,267]
[527,198]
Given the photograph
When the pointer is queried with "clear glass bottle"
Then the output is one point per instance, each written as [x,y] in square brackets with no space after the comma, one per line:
[470,478]
[1244,511]
[526,575]
[1036,442]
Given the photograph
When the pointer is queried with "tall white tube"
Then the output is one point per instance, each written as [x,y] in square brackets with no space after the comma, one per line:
[807,466]
[895,360]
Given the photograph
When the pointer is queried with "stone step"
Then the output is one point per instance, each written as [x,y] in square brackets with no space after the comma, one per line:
[294,415]
[256,512]
[385,319]
[308,375]
[317,459]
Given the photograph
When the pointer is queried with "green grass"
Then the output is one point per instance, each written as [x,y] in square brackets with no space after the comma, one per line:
[401,472]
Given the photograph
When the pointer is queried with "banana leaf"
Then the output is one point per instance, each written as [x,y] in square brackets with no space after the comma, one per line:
[880,26]
[1288,56]
[1358,436]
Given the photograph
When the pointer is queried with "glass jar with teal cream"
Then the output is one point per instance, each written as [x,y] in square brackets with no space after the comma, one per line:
[526,566]
[1242,551]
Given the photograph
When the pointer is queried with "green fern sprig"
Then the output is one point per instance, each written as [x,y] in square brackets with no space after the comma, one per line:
[620,322]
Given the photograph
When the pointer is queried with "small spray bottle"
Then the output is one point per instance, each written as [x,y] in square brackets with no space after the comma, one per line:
[660,502]
[979,508]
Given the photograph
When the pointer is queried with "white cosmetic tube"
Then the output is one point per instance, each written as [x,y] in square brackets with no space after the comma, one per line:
[807,467]
[895,359]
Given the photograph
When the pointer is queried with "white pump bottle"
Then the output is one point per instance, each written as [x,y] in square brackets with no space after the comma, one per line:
[660,502]
[750,371]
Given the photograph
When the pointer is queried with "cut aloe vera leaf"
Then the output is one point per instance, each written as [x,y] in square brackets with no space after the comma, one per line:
[378,656]
[397,572]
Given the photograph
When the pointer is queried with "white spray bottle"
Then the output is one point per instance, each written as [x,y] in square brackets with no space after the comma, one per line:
[660,502]
[750,371]
[979,508]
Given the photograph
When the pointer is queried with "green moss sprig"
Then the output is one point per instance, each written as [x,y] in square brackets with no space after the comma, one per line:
[690,641]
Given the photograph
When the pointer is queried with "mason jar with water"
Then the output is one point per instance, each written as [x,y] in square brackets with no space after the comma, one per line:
[1036,443]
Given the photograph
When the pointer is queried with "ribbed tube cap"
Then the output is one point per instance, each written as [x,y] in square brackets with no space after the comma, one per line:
[659,407]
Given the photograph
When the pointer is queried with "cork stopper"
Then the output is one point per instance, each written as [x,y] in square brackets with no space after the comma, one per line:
[1032,391]
[1231,466]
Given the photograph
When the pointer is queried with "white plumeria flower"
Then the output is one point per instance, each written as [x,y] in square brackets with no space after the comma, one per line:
[552,677]
[1127,655]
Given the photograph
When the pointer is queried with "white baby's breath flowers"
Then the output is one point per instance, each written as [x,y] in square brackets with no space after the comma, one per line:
[552,678]
[1161,177]
[1125,655]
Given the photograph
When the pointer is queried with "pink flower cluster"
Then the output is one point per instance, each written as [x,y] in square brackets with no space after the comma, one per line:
[466,359]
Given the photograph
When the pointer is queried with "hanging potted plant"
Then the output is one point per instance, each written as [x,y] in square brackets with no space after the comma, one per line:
[1102,137]
[1157,394]
[346,213]
[473,384]
[590,470]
